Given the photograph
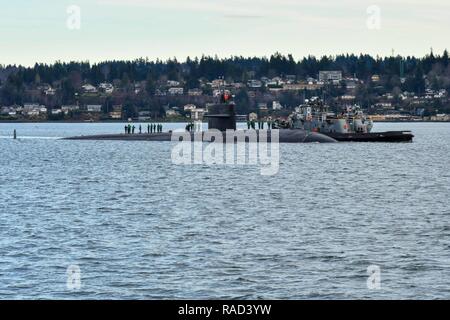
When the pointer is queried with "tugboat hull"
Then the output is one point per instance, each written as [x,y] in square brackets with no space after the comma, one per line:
[389,136]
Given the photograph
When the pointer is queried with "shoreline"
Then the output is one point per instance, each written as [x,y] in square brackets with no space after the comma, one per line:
[103,121]
[178,121]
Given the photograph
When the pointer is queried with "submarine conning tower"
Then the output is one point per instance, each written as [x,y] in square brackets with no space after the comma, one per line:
[222,116]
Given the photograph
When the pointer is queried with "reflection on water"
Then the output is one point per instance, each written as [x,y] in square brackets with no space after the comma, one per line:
[140,227]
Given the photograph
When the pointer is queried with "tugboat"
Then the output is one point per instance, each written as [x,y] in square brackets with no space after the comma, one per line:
[351,125]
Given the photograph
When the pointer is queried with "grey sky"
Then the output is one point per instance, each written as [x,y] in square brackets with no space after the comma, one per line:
[36,30]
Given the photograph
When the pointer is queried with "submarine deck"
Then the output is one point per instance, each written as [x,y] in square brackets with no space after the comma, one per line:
[285,136]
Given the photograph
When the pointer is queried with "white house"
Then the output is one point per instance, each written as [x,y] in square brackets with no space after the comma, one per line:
[172,113]
[326,76]
[33,109]
[50,92]
[189,107]
[32,112]
[440,117]
[173,83]
[218,83]
[106,87]
[255,84]
[253,116]
[94,108]
[176,91]
[30,106]
[348,97]
[276,105]
[67,109]
[88,88]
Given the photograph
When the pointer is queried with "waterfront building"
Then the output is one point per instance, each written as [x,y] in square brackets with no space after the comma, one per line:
[116,114]
[144,116]
[189,107]
[67,108]
[94,108]
[255,84]
[172,113]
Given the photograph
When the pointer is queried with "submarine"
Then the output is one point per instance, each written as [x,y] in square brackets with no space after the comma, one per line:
[222,118]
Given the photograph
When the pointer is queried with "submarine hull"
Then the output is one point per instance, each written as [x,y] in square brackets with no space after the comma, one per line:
[284,136]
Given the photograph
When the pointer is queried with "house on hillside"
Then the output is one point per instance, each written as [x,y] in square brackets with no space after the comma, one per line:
[94,108]
[106,87]
[175,91]
[330,76]
[88,88]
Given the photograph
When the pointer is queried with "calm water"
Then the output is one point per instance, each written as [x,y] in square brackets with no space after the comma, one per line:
[140,227]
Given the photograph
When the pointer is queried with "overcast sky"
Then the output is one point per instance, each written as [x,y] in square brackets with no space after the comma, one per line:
[36,30]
